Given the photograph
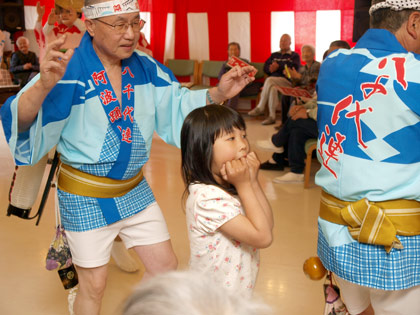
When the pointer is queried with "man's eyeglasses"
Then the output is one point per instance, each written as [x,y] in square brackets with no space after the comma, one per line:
[123,27]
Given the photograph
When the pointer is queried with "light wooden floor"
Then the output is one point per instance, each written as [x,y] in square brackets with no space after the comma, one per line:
[26,287]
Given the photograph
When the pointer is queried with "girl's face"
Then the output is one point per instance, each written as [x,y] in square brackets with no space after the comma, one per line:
[68,17]
[228,147]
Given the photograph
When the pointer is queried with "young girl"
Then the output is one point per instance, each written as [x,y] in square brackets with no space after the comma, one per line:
[228,215]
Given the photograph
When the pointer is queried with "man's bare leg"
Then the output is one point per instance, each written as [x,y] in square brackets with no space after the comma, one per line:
[92,283]
[157,258]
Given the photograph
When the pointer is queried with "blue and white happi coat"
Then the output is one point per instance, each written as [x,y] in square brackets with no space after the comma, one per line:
[369,147]
[96,135]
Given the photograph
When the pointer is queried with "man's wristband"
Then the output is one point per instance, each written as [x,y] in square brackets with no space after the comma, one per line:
[211,100]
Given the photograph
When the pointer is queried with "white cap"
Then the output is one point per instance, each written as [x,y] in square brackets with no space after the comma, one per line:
[112,7]
[396,5]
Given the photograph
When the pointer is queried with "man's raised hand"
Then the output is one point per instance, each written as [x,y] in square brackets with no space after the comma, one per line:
[54,64]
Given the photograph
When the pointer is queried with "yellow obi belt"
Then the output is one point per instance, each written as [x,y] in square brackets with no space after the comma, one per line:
[80,183]
[371,222]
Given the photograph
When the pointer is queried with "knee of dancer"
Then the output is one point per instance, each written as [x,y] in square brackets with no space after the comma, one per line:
[93,288]
[164,264]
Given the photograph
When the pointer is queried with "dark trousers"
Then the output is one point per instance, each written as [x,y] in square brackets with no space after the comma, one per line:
[292,136]
[286,102]
[251,89]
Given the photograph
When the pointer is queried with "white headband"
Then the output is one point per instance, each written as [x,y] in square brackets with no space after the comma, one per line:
[112,7]
[396,5]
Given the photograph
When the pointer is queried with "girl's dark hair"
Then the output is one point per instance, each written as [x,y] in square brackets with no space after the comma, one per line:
[199,131]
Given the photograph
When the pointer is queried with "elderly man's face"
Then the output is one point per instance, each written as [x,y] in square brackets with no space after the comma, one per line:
[233,50]
[111,44]
[23,45]
[307,54]
[285,42]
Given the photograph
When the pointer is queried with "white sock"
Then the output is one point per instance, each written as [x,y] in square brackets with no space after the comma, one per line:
[71,298]
[123,258]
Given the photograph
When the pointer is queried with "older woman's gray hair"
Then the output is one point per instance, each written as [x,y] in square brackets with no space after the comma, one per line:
[307,46]
[22,38]
[189,293]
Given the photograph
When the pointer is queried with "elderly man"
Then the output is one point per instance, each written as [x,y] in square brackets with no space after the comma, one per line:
[274,67]
[100,105]
[369,127]
[24,63]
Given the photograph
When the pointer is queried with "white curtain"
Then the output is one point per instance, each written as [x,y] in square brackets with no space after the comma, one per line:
[240,31]
[198,36]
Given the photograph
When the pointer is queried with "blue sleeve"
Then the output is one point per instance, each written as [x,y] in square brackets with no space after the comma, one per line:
[173,105]
[30,146]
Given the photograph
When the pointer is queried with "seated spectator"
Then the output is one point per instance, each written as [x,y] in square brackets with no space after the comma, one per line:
[24,64]
[305,77]
[253,88]
[337,44]
[274,67]
[290,141]
[189,292]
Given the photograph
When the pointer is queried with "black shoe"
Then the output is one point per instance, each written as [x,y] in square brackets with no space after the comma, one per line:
[271,167]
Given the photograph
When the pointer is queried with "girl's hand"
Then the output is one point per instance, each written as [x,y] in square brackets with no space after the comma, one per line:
[253,165]
[237,172]
[52,17]
[40,9]
[223,173]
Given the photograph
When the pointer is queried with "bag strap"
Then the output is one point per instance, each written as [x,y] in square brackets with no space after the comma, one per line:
[57,207]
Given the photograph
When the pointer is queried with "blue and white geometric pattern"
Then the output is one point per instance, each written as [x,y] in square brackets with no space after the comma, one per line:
[371,266]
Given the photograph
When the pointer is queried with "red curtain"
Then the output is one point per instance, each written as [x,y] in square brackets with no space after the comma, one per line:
[218,22]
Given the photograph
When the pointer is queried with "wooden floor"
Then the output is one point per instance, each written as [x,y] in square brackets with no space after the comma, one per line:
[26,287]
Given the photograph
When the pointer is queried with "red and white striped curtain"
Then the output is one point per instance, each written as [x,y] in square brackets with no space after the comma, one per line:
[201,30]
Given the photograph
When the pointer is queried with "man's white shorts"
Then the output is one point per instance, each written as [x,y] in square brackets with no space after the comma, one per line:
[357,298]
[93,248]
